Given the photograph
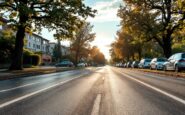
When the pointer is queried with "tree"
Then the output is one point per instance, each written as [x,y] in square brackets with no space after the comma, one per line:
[33,15]
[7,42]
[80,44]
[129,46]
[97,56]
[157,19]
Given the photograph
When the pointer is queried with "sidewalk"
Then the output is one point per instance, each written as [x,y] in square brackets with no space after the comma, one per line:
[164,73]
[5,74]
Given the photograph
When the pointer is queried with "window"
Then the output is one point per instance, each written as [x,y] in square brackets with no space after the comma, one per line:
[33,45]
[171,57]
[177,56]
[161,59]
[183,55]
[38,46]
[29,44]
[1,27]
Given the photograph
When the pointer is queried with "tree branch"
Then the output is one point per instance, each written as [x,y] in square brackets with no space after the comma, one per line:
[8,5]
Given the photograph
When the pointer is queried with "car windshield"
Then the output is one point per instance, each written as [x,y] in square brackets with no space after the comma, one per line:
[148,60]
[161,60]
[183,55]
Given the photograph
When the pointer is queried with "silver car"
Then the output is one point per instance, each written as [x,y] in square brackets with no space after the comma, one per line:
[157,63]
[145,63]
[175,62]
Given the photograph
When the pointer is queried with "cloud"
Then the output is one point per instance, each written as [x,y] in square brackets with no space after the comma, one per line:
[107,11]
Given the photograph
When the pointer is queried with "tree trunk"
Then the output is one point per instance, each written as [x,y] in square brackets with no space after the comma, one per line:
[139,53]
[167,48]
[76,59]
[17,60]
[59,50]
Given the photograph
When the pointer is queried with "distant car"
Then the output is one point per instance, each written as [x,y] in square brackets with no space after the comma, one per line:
[145,63]
[175,62]
[81,64]
[65,63]
[125,65]
[135,64]
[129,64]
[119,64]
[157,63]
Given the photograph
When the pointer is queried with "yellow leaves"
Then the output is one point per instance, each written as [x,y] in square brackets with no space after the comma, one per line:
[42,0]
[13,15]
[30,15]
[7,33]
[180,3]
[29,30]
[1,23]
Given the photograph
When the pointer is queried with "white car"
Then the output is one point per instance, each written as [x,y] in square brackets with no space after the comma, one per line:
[175,62]
[157,63]
[81,65]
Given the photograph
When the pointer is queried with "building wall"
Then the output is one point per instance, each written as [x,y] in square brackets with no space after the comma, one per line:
[37,43]
[64,50]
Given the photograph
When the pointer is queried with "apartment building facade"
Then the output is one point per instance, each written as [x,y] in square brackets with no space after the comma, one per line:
[64,50]
[37,43]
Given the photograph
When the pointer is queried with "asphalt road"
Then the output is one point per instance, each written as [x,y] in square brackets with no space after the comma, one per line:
[101,91]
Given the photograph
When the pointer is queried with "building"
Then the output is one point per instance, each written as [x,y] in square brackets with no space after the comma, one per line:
[64,50]
[39,44]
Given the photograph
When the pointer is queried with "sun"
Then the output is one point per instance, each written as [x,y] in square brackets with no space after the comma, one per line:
[105,50]
[102,47]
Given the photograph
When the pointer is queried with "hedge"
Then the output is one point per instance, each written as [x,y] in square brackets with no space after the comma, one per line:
[33,59]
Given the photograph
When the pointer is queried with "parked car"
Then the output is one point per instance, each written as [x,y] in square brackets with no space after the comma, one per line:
[175,62]
[81,65]
[157,63]
[125,65]
[129,64]
[65,63]
[135,64]
[145,63]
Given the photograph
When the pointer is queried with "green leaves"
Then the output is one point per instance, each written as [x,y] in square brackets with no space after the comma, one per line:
[64,16]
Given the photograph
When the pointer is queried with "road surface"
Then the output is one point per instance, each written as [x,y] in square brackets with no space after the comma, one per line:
[100,91]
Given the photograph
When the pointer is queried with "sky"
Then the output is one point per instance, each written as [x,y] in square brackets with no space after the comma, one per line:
[106,24]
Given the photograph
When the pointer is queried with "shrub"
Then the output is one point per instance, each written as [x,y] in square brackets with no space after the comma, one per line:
[36,59]
[29,58]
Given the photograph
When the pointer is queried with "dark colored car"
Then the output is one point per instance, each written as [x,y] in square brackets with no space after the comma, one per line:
[129,64]
[135,64]
[65,63]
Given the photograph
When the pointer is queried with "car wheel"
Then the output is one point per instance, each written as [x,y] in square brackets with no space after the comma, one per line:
[177,68]
[156,67]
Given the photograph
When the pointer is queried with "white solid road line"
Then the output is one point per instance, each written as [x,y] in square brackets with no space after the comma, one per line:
[10,89]
[96,107]
[156,89]
[34,93]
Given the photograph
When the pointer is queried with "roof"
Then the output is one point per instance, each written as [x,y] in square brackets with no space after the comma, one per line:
[40,37]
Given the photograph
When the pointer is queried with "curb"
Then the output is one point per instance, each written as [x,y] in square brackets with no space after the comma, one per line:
[34,73]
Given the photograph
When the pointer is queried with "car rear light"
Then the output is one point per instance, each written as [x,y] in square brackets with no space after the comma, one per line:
[182,60]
